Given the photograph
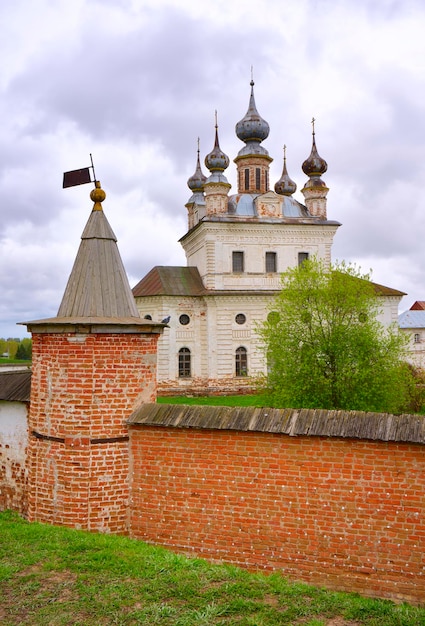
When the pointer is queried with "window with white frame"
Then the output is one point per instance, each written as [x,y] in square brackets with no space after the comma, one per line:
[241,362]
[184,363]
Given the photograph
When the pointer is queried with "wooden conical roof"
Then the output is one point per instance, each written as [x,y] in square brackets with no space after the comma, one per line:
[98,292]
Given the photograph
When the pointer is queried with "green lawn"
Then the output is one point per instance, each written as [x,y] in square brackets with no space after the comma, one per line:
[244,400]
[56,576]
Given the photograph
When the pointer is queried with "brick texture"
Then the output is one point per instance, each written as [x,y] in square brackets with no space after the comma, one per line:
[346,514]
[84,387]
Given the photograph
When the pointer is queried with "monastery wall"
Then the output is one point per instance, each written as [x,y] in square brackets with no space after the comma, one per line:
[338,512]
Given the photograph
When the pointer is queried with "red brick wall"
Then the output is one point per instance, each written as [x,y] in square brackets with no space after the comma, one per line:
[83,389]
[346,514]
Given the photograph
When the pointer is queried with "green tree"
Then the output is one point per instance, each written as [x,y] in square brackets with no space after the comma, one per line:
[12,346]
[27,344]
[325,347]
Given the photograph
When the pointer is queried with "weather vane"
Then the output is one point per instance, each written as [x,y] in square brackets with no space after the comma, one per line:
[79,177]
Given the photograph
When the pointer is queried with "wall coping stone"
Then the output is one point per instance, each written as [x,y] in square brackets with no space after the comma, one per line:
[405,428]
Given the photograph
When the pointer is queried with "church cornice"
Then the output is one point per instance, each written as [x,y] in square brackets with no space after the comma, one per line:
[212,223]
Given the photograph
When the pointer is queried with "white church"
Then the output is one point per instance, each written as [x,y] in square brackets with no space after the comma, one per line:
[236,247]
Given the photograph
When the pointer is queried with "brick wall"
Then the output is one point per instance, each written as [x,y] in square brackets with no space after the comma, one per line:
[84,387]
[343,513]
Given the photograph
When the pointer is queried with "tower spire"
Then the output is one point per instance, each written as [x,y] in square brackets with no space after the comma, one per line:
[253,160]
[285,186]
[196,203]
[315,189]
[217,186]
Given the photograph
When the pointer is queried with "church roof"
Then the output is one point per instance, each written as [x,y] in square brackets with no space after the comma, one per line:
[170,281]
[165,280]
[412,319]
[419,305]
[382,290]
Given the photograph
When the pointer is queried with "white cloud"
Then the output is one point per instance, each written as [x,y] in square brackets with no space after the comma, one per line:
[135,82]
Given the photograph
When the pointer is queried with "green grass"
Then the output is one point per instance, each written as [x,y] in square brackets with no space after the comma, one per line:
[57,576]
[243,400]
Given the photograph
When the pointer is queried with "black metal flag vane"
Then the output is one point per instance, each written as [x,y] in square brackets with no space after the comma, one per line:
[79,177]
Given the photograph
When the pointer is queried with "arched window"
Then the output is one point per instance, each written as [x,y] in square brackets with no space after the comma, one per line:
[184,363]
[241,362]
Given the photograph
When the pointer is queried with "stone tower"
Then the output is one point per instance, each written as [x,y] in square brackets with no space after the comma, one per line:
[93,364]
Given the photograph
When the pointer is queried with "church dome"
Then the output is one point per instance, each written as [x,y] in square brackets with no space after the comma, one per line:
[314,165]
[285,186]
[252,127]
[216,160]
[197,180]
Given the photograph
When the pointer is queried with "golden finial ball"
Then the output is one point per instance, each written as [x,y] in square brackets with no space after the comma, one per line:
[97,194]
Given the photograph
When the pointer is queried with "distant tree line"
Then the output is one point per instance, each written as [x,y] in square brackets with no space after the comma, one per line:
[16,349]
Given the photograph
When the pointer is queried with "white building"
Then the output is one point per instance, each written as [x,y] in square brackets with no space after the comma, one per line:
[412,322]
[236,248]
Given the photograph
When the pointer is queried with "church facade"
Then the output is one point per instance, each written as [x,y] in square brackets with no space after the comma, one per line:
[236,248]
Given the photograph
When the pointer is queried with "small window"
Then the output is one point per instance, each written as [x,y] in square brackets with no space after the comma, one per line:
[237,261]
[271,262]
[240,318]
[184,319]
[184,363]
[246,179]
[257,178]
[241,362]
[417,338]
[302,256]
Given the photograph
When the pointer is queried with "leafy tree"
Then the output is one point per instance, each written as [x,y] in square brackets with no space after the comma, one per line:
[27,344]
[325,347]
[12,346]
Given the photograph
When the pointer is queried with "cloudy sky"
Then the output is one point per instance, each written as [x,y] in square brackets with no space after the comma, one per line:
[135,82]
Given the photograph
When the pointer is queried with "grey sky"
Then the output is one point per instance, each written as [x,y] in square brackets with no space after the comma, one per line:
[136,82]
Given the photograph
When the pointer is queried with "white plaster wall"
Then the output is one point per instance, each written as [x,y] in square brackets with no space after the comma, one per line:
[13,446]
[13,431]
[210,248]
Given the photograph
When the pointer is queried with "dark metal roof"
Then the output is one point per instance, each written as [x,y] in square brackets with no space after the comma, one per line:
[165,280]
[292,422]
[419,305]
[15,386]
[381,290]
[170,281]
